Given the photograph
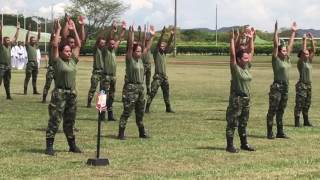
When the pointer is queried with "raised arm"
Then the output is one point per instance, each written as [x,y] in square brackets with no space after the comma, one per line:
[304,42]
[161,37]
[82,33]
[144,38]
[293,34]
[39,32]
[17,33]
[232,49]
[27,35]
[173,32]
[72,28]
[130,43]
[1,32]
[250,49]
[237,39]
[65,32]
[123,31]
[148,46]
[55,41]
[275,40]
[313,46]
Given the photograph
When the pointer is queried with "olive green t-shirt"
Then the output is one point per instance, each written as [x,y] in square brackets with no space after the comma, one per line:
[110,64]
[241,78]
[5,55]
[32,52]
[146,58]
[159,62]
[134,71]
[281,69]
[97,59]
[305,70]
[65,73]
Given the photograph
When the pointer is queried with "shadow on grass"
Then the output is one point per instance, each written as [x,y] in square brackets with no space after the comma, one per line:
[211,148]
[214,119]
[20,94]
[40,151]
[45,129]
[87,118]
[257,136]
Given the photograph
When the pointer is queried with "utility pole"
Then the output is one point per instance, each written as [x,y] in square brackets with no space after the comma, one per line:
[175,27]
[216,24]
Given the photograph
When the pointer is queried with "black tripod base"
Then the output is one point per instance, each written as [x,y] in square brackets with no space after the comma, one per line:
[98,162]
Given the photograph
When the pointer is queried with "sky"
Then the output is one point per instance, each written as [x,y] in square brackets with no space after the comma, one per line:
[195,13]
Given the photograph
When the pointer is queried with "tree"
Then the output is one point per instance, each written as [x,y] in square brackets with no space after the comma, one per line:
[99,13]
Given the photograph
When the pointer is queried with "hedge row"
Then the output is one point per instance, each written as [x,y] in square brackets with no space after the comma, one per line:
[199,49]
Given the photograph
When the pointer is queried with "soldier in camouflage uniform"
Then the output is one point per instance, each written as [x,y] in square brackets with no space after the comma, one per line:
[32,64]
[63,104]
[108,79]
[303,86]
[50,73]
[160,78]
[133,91]
[5,60]
[237,114]
[278,95]
[97,68]
[146,59]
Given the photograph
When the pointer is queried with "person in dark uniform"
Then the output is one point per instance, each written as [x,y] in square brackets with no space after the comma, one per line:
[303,86]
[133,90]
[5,59]
[278,95]
[63,103]
[237,114]
[160,78]
[32,68]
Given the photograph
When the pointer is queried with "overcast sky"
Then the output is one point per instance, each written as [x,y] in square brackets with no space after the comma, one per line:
[196,13]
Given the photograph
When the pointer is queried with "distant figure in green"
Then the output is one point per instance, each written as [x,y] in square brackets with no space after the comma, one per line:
[160,78]
[5,59]
[303,86]
[32,64]
[278,95]
[146,59]
[63,104]
[237,114]
[133,90]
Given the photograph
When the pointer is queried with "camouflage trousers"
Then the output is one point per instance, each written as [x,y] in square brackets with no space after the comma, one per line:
[159,80]
[303,99]
[108,84]
[63,106]
[278,97]
[5,76]
[31,70]
[237,115]
[95,79]
[49,78]
[132,98]
[147,73]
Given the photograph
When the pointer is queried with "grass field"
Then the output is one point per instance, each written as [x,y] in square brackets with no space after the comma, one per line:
[189,144]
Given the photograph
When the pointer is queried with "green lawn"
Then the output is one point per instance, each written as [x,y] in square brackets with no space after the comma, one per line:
[189,144]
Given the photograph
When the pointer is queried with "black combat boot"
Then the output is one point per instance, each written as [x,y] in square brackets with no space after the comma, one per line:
[269,132]
[121,135]
[142,133]
[230,147]
[245,145]
[306,121]
[44,97]
[89,102]
[35,91]
[169,109]
[110,116]
[25,90]
[147,109]
[297,121]
[280,133]
[7,88]
[72,145]
[49,150]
